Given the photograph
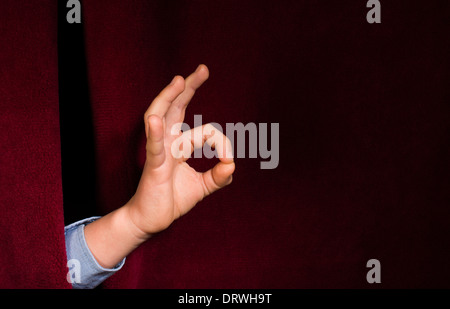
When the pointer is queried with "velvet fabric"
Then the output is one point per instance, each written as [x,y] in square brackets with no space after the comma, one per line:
[364,120]
[32,249]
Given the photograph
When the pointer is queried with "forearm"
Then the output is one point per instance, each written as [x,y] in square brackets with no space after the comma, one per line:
[112,237]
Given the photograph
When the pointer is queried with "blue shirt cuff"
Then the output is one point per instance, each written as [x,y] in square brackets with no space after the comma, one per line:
[84,270]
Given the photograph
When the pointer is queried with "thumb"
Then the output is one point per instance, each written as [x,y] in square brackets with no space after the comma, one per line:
[218,177]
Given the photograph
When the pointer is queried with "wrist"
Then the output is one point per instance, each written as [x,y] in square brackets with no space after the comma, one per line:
[112,237]
[130,225]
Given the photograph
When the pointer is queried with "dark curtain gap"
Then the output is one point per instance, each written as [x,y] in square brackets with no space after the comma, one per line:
[77,139]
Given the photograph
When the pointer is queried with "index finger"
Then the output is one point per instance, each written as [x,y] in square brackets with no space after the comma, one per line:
[162,102]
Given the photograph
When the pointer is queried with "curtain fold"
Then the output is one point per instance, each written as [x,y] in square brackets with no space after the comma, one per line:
[32,249]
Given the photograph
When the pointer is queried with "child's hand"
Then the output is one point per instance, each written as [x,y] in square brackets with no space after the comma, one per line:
[169,187]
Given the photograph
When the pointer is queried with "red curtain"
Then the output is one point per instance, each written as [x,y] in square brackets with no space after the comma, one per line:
[364,128]
[32,250]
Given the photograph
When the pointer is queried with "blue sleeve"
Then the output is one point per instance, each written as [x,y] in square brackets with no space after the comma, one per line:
[84,270]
